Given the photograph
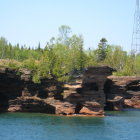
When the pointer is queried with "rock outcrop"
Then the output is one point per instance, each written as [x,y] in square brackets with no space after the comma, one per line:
[122,92]
[88,94]
[19,94]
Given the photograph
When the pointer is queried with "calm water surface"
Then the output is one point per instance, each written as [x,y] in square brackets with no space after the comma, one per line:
[32,126]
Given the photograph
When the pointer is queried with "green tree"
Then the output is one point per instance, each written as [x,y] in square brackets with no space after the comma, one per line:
[77,54]
[101,51]
[64,32]
[3,47]
[115,57]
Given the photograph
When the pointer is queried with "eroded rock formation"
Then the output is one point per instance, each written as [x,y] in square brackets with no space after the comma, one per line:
[19,94]
[88,94]
[122,92]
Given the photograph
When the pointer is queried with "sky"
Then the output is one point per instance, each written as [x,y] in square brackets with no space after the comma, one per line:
[32,21]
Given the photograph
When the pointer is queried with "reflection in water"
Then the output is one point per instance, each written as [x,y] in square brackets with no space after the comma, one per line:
[32,126]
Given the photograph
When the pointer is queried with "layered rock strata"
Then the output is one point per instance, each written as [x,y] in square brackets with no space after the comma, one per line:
[19,94]
[122,92]
[87,94]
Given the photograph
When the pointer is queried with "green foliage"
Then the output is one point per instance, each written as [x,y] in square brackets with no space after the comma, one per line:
[29,64]
[116,57]
[65,55]
[36,78]
[64,32]
[13,65]
[101,51]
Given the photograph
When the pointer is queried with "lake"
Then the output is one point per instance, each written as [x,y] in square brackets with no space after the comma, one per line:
[35,126]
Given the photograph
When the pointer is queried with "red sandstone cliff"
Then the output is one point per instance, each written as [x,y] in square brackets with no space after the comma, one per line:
[88,94]
[123,92]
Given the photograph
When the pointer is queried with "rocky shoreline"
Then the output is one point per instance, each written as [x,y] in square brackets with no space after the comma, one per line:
[87,95]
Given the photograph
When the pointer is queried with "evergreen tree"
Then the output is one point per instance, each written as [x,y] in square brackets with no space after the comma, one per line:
[101,51]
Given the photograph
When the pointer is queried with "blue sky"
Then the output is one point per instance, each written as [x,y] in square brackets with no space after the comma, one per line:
[32,21]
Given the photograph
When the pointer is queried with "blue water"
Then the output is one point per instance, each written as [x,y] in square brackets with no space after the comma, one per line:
[31,126]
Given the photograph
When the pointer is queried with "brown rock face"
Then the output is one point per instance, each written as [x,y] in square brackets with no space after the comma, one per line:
[88,94]
[133,103]
[19,93]
[92,108]
[94,80]
[30,104]
[65,108]
[127,88]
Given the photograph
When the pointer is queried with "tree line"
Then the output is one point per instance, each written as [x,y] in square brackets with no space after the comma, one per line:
[65,55]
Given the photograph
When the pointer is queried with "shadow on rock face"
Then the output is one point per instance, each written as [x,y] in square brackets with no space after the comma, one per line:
[4,105]
[78,108]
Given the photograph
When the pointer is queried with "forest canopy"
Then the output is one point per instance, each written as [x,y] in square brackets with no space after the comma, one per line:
[64,55]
